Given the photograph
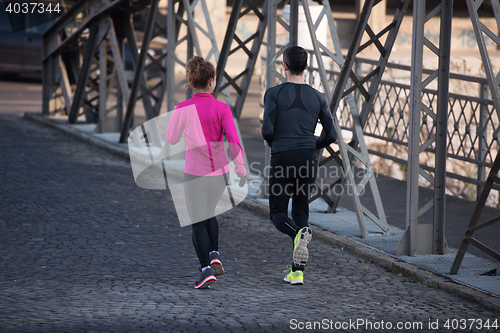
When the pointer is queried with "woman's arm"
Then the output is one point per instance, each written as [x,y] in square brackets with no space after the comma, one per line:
[233,140]
[175,127]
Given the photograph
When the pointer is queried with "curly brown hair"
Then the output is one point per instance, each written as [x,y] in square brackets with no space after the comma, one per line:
[199,72]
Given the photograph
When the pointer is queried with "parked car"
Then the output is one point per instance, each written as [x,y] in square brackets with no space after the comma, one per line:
[21,52]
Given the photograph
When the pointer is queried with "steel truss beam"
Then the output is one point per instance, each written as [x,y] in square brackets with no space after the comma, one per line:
[97,30]
[482,33]
[346,154]
[271,7]
[194,33]
[72,24]
[427,238]
[180,14]
[373,78]
[140,80]
[493,178]
[240,83]
[93,31]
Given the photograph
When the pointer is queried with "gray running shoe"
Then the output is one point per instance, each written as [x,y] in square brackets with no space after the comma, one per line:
[206,279]
[300,251]
[216,264]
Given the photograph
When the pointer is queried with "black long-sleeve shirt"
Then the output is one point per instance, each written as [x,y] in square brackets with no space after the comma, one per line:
[291,112]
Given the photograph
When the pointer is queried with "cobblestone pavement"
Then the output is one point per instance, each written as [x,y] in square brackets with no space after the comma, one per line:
[82,248]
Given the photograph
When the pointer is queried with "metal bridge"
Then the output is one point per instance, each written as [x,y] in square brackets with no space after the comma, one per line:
[87,77]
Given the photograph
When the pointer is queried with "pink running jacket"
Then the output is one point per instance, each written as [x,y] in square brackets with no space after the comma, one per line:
[203,119]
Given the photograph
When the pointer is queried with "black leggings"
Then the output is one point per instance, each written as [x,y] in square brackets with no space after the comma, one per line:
[202,195]
[206,239]
[291,175]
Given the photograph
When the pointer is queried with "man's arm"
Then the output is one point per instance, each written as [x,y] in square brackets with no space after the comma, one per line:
[269,118]
[329,135]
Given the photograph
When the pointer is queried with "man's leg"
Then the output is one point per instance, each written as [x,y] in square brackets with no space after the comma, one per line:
[279,197]
[306,166]
[300,204]
[300,201]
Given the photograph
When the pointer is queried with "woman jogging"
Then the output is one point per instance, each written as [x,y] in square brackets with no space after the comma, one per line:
[204,120]
[291,112]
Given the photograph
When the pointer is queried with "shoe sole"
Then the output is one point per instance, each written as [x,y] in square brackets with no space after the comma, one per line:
[293,281]
[206,283]
[301,253]
[216,265]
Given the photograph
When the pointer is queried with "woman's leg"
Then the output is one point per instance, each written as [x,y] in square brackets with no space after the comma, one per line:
[215,189]
[201,242]
[202,196]
[196,198]
[196,201]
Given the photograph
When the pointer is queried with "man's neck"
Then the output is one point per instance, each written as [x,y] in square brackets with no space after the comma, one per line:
[295,79]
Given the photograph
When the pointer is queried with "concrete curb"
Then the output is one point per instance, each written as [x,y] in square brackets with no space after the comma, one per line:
[382,259]
[392,263]
[77,134]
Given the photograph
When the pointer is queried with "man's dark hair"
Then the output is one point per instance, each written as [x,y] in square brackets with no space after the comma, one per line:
[295,58]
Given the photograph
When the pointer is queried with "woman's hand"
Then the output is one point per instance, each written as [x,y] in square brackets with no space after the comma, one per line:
[243,181]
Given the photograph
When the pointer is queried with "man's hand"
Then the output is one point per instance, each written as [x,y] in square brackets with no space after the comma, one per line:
[243,181]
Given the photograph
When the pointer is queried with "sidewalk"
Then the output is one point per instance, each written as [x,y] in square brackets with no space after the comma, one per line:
[341,230]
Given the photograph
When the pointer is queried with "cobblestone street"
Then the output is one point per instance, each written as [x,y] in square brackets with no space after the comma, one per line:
[83,249]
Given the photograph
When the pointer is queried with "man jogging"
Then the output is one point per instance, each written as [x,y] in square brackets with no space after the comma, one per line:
[291,112]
